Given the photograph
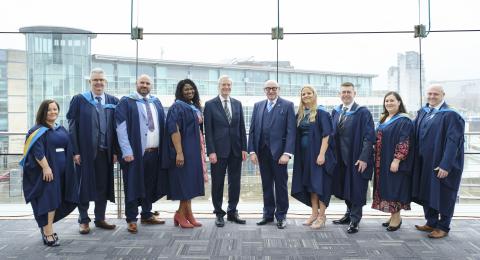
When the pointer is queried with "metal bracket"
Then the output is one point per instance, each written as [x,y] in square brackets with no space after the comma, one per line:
[137,33]
[420,31]
[277,33]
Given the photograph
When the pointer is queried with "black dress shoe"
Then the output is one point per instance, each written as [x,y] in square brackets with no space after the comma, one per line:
[219,222]
[392,228]
[352,228]
[235,218]
[264,221]
[281,224]
[343,221]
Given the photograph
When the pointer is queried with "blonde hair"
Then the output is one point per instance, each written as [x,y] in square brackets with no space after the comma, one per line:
[313,106]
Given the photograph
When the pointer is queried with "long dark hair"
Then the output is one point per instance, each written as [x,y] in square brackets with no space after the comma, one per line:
[401,109]
[41,118]
[179,92]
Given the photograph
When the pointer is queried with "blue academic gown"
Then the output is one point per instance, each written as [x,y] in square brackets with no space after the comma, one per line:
[185,182]
[438,144]
[83,127]
[59,195]
[134,180]
[307,175]
[349,184]
[396,186]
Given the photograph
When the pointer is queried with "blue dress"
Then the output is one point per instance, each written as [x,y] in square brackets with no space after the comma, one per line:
[59,195]
[308,176]
[185,182]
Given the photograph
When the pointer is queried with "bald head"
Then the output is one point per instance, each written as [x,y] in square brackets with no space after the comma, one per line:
[144,85]
[435,95]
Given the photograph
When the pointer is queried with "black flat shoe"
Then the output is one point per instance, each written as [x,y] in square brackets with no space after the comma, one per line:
[51,243]
[392,228]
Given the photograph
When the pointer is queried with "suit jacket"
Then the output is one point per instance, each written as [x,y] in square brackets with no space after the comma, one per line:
[222,137]
[283,128]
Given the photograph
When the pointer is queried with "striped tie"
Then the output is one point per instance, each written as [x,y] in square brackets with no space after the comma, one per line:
[227,111]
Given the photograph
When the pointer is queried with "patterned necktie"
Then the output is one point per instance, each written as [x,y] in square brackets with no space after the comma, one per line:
[343,116]
[151,126]
[227,111]
[102,120]
[269,106]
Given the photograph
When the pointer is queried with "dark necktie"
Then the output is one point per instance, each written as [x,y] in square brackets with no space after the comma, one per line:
[102,120]
[430,113]
[343,116]
[227,111]
[151,126]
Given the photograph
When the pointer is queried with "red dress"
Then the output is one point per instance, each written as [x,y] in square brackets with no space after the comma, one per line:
[401,152]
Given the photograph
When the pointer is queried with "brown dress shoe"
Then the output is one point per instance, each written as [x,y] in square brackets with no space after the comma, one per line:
[84,229]
[103,224]
[424,228]
[132,227]
[152,220]
[437,233]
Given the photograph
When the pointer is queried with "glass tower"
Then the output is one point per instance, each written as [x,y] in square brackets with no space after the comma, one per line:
[57,65]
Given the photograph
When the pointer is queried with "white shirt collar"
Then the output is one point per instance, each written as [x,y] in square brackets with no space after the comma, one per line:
[348,106]
[94,95]
[141,97]
[273,101]
[438,106]
[223,99]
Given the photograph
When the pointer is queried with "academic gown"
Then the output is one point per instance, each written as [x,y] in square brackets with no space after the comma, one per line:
[83,117]
[439,144]
[395,186]
[59,195]
[185,182]
[307,175]
[133,172]
[349,184]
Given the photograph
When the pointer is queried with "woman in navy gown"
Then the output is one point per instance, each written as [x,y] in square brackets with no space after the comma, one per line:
[392,186]
[314,160]
[187,168]
[49,179]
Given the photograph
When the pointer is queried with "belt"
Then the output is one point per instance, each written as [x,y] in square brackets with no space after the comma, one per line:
[150,150]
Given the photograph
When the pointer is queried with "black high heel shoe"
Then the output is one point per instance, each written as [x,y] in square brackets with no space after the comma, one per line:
[392,228]
[46,242]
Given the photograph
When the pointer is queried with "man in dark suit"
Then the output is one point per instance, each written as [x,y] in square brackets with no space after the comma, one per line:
[271,144]
[92,132]
[226,148]
[354,139]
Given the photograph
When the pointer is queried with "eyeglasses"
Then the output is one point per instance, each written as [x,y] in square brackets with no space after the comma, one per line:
[267,89]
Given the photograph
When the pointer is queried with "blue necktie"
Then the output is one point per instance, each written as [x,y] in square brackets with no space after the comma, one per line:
[102,121]
[269,106]
[151,126]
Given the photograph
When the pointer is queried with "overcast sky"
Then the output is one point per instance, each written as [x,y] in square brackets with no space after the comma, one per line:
[447,56]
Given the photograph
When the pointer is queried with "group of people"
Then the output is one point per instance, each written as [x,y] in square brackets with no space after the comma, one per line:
[336,153]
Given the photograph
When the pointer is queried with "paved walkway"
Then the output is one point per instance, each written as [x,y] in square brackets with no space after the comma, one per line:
[20,239]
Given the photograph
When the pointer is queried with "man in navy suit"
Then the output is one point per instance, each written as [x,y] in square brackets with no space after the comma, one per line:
[271,144]
[226,148]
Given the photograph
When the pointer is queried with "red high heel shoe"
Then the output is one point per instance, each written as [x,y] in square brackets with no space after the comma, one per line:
[189,216]
[181,220]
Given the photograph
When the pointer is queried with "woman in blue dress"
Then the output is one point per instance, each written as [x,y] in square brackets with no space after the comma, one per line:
[49,179]
[314,160]
[392,186]
[186,170]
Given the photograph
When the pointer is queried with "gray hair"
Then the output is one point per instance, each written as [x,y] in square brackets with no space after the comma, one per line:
[224,77]
[271,81]
[97,71]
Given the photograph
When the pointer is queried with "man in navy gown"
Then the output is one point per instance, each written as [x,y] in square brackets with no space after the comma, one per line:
[354,139]
[92,132]
[140,120]
[439,138]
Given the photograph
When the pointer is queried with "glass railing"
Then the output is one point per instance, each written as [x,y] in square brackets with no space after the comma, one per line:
[251,188]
